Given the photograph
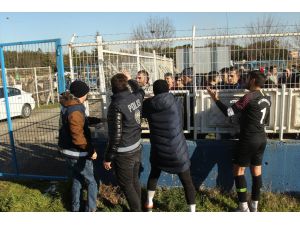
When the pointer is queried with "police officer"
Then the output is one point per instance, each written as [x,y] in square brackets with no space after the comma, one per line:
[124,142]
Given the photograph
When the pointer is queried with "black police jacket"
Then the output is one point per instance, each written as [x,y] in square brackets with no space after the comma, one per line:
[124,121]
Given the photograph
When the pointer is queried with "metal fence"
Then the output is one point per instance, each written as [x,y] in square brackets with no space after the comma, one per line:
[28,126]
[39,81]
[195,62]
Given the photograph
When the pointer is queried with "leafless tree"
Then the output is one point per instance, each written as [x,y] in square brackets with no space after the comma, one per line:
[154,28]
[266,47]
[266,24]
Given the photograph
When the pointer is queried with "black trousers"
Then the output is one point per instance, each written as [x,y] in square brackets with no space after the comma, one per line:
[127,167]
[185,178]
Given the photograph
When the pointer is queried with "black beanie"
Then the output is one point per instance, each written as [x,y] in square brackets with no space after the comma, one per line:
[160,86]
[78,88]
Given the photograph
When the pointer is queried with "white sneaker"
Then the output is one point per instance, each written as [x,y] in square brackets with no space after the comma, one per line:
[253,206]
[238,209]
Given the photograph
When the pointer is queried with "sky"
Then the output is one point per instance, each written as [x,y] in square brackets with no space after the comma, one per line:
[23,26]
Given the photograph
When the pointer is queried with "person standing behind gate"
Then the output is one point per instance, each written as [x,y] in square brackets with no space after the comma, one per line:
[255,109]
[143,80]
[169,151]
[75,144]
[124,137]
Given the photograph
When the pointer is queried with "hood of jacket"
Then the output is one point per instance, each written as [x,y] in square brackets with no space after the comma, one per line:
[162,101]
[67,99]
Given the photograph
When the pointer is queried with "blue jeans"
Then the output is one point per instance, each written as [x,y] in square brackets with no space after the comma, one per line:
[82,171]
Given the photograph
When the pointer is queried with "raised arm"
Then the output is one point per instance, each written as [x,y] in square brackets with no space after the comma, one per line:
[232,110]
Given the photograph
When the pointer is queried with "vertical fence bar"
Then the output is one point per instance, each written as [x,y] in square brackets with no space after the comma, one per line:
[101,76]
[282,112]
[138,61]
[155,65]
[51,85]
[71,57]
[36,87]
[194,82]
[9,122]
[60,67]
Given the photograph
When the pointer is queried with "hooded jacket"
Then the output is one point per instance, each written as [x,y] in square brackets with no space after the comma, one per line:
[74,133]
[168,145]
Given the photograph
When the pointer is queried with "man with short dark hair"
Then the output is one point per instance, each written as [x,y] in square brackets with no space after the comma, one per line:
[255,109]
[187,74]
[233,79]
[124,137]
[143,80]
[170,80]
[213,79]
[169,151]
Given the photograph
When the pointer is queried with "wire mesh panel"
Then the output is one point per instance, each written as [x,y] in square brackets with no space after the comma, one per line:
[192,63]
[38,81]
[229,58]
[34,111]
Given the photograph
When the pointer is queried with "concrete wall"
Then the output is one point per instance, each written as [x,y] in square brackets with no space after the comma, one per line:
[211,165]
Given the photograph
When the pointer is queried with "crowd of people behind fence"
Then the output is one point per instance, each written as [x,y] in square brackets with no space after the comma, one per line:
[228,78]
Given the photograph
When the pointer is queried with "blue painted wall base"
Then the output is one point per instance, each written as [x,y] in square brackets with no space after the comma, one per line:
[212,167]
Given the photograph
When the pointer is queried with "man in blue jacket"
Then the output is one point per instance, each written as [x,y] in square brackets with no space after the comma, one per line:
[168,145]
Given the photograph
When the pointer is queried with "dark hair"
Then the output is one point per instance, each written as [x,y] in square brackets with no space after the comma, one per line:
[224,70]
[272,68]
[259,77]
[212,75]
[168,74]
[119,83]
[232,68]
[160,86]
[145,73]
[187,71]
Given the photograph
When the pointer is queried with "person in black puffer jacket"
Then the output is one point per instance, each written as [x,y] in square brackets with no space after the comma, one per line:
[124,137]
[169,151]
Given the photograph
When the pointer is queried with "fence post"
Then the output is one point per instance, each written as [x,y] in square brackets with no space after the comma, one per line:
[194,82]
[71,57]
[51,85]
[9,122]
[60,67]
[101,76]
[155,66]
[36,87]
[138,61]
[283,88]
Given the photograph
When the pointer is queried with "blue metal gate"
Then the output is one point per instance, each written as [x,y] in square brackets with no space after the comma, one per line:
[32,76]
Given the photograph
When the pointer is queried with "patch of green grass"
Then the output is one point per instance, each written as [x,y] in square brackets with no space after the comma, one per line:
[31,196]
[16,197]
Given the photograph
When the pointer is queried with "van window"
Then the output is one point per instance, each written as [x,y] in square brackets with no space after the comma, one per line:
[1,93]
[13,92]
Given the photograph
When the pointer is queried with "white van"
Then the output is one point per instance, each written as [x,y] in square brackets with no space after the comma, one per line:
[21,103]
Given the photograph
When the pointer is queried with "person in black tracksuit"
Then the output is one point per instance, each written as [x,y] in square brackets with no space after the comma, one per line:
[169,151]
[124,141]
[255,110]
